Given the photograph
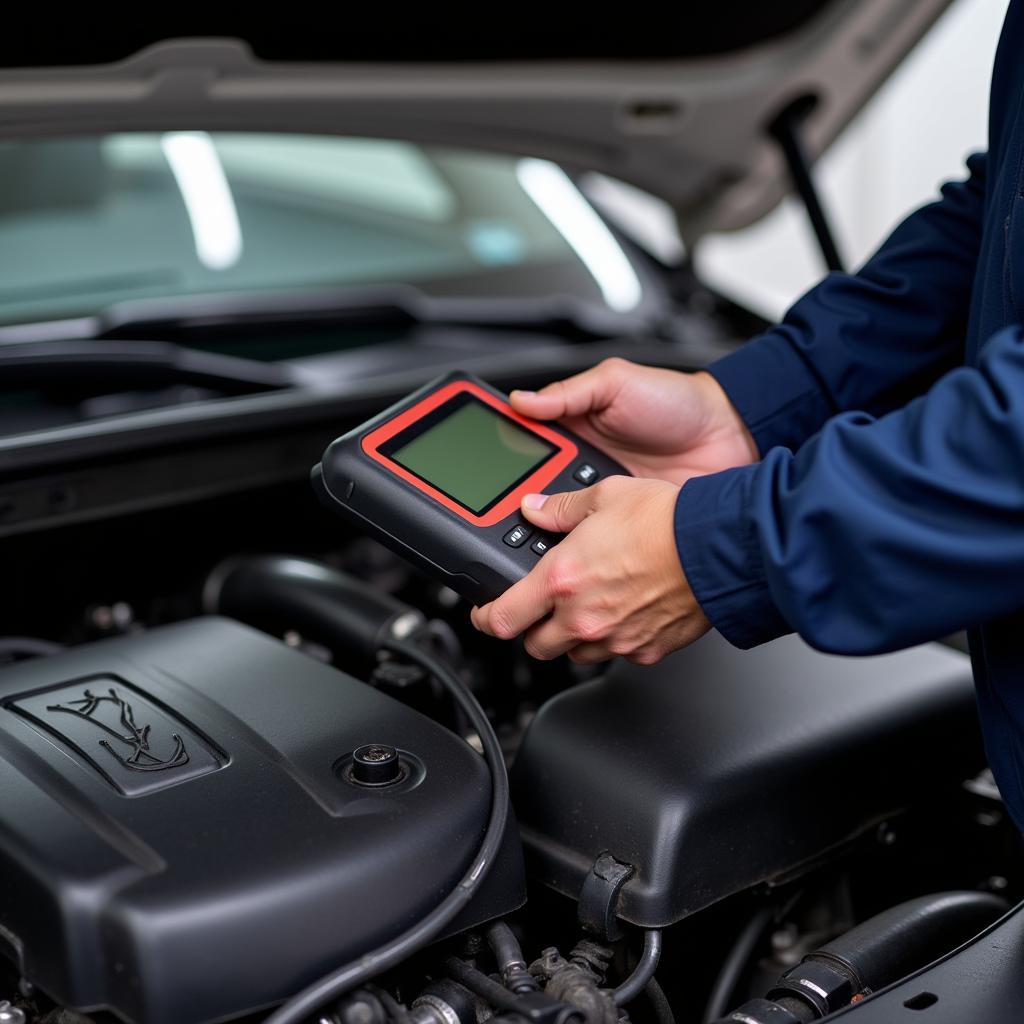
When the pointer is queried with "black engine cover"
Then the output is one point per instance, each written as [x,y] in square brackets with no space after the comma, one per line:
[720,769]
[179,838]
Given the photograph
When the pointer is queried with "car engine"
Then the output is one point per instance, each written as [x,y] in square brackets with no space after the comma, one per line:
[209,808]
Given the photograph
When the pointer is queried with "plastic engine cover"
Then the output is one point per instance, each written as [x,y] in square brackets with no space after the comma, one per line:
[719,769]
[180,842]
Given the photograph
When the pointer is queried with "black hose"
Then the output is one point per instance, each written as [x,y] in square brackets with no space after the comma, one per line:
[732,968]
[343,979]
[910,935]
[476,981]
[508,955]
[644,970]
[881,950]
[504,945]
[276,593]
[661,1008]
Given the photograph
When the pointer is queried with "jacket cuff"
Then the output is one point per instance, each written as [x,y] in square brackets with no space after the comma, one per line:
[721,557]
[774,390]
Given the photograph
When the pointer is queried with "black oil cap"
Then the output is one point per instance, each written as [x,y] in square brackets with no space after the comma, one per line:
[376,764]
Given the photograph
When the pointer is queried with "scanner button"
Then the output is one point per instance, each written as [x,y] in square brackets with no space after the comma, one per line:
[517,536]
[586,474]
[541,545]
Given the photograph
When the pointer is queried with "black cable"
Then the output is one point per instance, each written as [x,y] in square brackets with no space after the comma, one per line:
[720,1001]
[644,970]
[660,1006]
[347,977]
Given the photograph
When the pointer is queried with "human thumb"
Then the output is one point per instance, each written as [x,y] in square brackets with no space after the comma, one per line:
[561,512]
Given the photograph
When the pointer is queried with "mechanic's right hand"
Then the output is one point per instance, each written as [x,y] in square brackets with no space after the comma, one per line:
[660,424]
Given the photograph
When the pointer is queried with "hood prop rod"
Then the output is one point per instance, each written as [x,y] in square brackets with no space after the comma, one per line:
[785,130]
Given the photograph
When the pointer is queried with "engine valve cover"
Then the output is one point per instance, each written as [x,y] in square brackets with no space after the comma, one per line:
[183,839]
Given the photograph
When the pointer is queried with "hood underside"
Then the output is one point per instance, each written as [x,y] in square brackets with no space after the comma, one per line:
[687,121]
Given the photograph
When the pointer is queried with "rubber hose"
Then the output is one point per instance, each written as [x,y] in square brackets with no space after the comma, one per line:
[644,970]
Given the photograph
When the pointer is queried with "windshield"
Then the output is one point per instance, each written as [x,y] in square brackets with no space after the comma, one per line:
[87,222]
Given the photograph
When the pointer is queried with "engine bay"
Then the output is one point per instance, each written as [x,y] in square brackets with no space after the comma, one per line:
[230,772]
[186,837]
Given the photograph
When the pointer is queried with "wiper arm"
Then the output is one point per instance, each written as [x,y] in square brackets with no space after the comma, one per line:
[132,364]
[246,310]
[377,306]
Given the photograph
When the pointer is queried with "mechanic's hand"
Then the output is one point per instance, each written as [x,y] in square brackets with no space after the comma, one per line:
[657,423]
[614,585]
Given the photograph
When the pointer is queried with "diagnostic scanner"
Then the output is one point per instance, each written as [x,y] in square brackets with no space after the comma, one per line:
[439,477]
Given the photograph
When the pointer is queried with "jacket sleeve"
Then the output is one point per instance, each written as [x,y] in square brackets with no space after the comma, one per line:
[878,533]
[871,340]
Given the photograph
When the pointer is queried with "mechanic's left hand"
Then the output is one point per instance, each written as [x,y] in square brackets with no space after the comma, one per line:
[613,586]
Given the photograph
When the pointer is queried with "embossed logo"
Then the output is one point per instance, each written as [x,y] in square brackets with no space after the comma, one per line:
[133,738]
[129,735]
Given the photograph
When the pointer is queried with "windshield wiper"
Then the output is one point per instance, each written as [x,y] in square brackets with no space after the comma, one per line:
[378,306]
[133,364]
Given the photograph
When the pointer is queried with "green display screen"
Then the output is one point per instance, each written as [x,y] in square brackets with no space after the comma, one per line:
[470,452]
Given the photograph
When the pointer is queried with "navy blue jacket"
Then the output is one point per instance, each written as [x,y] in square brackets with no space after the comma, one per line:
[888,508]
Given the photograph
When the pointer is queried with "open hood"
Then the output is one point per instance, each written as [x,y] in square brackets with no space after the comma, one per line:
[679,105]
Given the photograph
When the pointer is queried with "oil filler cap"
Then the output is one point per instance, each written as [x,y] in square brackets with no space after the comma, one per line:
[376,764]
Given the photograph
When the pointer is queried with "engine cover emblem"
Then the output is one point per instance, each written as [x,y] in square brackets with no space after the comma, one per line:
[137,745]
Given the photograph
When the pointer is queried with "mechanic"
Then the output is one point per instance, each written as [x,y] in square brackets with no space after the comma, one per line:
[855,474]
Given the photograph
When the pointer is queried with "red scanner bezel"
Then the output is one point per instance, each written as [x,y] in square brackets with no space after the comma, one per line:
[565,452]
